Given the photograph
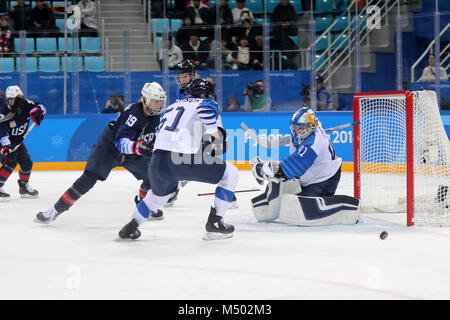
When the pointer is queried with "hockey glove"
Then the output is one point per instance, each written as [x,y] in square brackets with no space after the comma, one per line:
[37,115]
[215,146]
[141,148]
[266,170]
[6,154]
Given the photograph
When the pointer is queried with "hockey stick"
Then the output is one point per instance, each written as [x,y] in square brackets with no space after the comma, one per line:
[212,193]
[284,141]
[24,136]
[8,117]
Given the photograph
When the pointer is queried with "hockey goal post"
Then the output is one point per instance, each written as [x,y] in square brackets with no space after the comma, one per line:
[401,156]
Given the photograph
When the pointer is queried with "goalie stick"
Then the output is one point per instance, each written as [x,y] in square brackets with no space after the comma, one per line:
[284,141]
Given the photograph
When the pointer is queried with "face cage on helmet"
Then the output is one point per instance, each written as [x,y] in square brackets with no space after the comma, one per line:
[18,102]
[190,73]
[154,112]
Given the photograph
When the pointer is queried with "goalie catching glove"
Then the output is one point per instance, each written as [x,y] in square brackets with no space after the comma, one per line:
[266,171]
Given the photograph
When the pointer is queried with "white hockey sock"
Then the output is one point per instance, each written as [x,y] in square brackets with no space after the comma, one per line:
[149,205]
[225,189]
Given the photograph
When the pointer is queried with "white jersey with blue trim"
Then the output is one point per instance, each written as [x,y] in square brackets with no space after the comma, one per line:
[185,122]
[313,161]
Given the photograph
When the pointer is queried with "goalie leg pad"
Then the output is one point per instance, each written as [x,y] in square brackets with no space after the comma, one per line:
[319,211]
[266,206]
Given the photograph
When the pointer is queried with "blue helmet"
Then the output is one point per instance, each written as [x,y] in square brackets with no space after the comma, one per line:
[302,124]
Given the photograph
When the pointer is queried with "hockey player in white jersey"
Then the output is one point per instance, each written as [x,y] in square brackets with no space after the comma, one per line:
[302,186]
[181,154]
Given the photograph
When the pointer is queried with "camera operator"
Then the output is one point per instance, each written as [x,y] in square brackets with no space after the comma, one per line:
[115,104]
[255,100]
[323,99]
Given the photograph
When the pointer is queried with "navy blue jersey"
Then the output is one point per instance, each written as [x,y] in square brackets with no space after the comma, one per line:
[13,130]
[132,125]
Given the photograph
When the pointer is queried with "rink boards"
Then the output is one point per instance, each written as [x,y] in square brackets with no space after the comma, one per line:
[65,142]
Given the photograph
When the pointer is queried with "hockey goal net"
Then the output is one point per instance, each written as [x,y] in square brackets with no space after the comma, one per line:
[402,156]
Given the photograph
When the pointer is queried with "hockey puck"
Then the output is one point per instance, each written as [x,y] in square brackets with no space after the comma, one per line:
[383,235]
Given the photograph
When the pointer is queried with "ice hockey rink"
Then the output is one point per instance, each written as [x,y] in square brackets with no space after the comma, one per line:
[79,256]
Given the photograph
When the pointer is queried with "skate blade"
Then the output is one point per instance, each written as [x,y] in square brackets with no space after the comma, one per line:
[155,218]
[168,205]
[26,196]
[3,199]
[208,236]
[43,222]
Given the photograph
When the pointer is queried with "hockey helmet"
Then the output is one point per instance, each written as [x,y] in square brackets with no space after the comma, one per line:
[153,91]
[183,68]
[14,92]
[302,124]
[200,88]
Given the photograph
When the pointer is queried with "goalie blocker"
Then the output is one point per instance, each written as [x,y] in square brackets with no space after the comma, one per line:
[281,202]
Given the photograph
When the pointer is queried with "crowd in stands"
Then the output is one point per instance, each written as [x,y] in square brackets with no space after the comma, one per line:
[242,37]
[40,20]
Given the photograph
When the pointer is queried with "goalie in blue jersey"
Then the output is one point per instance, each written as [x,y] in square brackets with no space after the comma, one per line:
[301,188]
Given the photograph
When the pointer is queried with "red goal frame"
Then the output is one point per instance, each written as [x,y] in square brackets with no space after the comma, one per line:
[409,146]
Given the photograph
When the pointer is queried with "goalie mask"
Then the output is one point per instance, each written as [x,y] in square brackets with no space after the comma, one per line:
[153,98]
[14,97]
[303,123]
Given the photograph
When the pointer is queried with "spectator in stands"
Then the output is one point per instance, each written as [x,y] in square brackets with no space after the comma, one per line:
[249,30]
[22,15]
[157,9]
[255,100]
[115,104]
[175,55]
[257,53]
[285,18]
[184,32]
[233,104]
[240,58]
[225,50]
[6,36]
[188,3]
[225,18]
[43,16]
[324,102]
[241,12]
[429,73]
[196,51]
[88,18]
[198,12]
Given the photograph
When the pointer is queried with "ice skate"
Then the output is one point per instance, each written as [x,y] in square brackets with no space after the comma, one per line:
[26,191]
[47,217]
[217,229]
[4,196]
[130,231]
[156,216]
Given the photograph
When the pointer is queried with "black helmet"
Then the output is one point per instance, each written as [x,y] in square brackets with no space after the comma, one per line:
[198,87]
[185,67]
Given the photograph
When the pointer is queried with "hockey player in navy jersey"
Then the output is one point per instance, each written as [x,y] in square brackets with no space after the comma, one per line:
[127,141]
[180,154]
[16,114]
[301,188]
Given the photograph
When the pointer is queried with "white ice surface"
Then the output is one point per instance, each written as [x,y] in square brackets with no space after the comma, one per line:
[79,257]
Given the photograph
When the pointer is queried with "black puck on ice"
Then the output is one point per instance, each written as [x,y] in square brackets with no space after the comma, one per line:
[383,235]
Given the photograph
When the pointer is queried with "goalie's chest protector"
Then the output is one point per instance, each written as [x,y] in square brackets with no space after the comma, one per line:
[316,161]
